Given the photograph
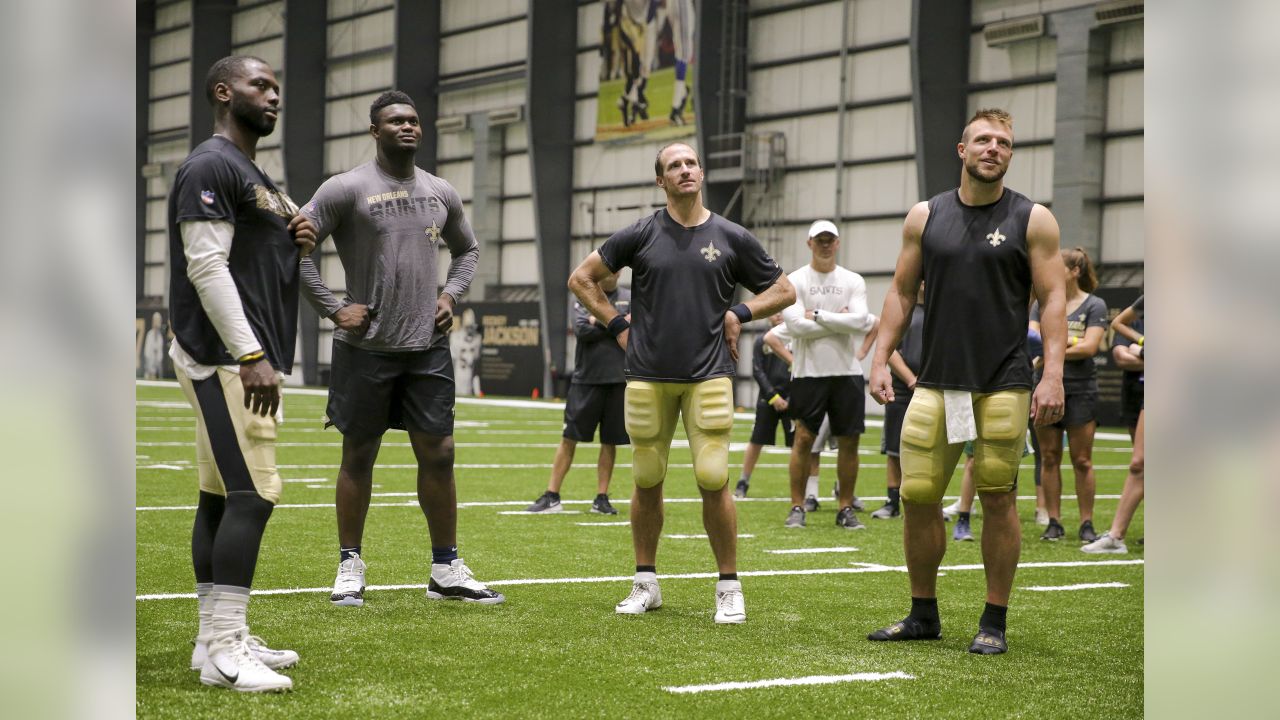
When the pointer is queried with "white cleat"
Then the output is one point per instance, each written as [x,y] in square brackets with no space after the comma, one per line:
[348,587]
[274,659]
[1106,545]
[233,665]
[645,596]
[730,607]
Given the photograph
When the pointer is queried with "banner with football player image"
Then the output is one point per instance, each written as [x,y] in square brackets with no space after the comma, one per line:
[646,70]
[497,348]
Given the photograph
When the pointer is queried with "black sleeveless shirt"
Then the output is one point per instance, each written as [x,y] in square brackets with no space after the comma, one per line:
[977,274]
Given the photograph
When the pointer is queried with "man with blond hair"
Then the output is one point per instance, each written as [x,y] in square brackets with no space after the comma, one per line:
[984,248]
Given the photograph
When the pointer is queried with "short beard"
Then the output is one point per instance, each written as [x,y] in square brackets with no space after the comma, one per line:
[973,173]
[253,118]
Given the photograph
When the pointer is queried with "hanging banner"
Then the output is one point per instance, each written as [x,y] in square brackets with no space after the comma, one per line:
[497,348]
[646,70]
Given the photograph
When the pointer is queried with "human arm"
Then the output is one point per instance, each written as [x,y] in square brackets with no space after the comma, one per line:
[799,324]
[584,283]
[464,254]
[1087,346]
[207,245]
[585,327]
[898,302]
[775,342]
[775,297]
[1128,357]
[868,340]
[1048,277]
[856,317]
[1123,324]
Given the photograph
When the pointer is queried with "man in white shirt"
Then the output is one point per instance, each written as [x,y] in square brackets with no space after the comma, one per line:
[829,314]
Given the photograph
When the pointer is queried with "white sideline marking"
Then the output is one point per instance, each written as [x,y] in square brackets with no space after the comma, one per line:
[534,466]
[786,682]
[867,567]
[604,524]
[807,551]
[699,537]
[1081,586]
[526,512]
[518,503]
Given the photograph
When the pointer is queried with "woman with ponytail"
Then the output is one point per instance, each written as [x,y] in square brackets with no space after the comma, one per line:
[1086,324]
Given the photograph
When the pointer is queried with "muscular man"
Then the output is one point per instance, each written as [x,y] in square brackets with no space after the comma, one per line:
[233,294]
[983,248]
[391,363]
[681,357]
[595,399]
[830,309]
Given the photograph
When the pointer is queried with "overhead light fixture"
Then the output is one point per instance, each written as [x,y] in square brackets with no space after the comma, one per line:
[451,123]
[506,116]
[1110,13]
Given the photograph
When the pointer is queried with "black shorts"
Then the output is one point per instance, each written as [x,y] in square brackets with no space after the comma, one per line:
[590,405]
[370,392]
[1132,392]
[765,429]
[894,413]
[1081,408]
[839,397]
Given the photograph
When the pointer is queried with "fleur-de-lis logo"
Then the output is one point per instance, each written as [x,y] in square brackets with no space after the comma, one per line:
[433,232]
[710,252]
[995,238]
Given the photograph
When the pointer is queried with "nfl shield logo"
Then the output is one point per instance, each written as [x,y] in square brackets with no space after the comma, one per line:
[206,197]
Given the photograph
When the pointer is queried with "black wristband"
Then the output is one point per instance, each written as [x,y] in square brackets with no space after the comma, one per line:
[742,311]
[618,325]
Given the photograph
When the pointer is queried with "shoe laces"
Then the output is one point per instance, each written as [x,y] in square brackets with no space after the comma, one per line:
[728,599]
[640,592]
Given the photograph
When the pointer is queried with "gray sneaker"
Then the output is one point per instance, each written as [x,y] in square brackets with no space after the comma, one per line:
[1105,544]
[602,506]
[888,512]
[962,532]
[548,503]
[811,504]
[795,518]
[847,520]
[857,504]
[741,490]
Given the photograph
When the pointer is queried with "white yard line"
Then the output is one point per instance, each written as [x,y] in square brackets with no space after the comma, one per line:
[699,537]
[526,512]
[863,568]
[813,551]
[604,524]
[1081,586]
[788,682]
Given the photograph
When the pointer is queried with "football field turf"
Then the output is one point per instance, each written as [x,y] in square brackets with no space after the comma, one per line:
[556,649]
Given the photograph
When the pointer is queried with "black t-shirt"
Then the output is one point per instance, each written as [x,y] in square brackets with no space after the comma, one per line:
[977,274]
[682,283]
[771,372]
[218,182]
[598,357]
[911,348]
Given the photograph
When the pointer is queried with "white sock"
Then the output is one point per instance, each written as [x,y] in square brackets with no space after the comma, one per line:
[230,607]
[726,585]
[647,577]
[811,489]
[679,93]
[203,592]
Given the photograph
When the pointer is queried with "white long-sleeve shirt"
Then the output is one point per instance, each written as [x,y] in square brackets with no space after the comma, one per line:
[827,345]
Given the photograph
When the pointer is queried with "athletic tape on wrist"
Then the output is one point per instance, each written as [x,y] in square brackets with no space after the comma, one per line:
[618,325]
[742,311]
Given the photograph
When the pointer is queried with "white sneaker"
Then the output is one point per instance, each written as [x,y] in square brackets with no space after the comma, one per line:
[730,607]
[233,665]
[645,596]
[949,512]
[1042,517]
[1105,544]
[274,659]
[348,587]
[455,582]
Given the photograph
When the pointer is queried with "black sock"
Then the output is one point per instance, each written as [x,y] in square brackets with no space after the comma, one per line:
[647,568]
[729,576]
[993,617]
[963,516]
[894,496]
[604,496]
[554,495]
[444,555]
[345,553]
[925,610]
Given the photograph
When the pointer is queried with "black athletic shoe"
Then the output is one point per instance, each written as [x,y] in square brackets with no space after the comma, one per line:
[741,490]
[455,582]
[811,504]
[547,503]
[908,628]
[847,520]
[601,506]
[1087,533]
[1054,532]
[988,642]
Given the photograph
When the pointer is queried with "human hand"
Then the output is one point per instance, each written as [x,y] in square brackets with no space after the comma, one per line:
[304,234]
[732,329]
[444,313]
[261,387]
[881,384]
[353,318]
[1047,401]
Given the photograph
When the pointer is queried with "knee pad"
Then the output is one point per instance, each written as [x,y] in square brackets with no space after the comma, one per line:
[710,422]
[643,420]
[1002,428]
[923,449]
